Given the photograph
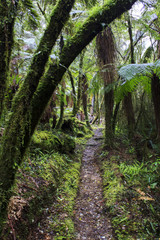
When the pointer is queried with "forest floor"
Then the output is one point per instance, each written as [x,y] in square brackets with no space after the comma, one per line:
[92,193]
[91,222]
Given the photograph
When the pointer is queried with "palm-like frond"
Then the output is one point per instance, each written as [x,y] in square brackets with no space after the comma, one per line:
[89,3]
[131,71]
[32,14]
[134,74]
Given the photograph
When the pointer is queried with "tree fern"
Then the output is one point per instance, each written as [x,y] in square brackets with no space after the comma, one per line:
[147,54]
[89,3]
[134,74]
[32,14]
[157,68]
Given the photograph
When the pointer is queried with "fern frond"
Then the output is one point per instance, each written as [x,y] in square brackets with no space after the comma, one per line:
[134,70]
[157,68]
[131,76]
[32,14]
[89,3]
[147,55]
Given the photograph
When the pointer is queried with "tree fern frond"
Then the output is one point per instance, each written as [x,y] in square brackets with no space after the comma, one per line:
[131,76]
[157,68]
[90,3]
[130,71]
[32,14]
[147,54]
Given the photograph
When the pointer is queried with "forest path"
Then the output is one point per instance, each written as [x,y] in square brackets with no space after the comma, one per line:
[91,223]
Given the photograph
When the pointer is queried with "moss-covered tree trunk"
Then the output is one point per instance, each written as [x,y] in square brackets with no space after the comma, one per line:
[73,92]
[84,99]
[99,112]
[115,116]
[31,102]
[60,120]
[8,12]
[18,132]
[80,78]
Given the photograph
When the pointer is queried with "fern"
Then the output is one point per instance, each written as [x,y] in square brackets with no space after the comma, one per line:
[157,68]
[147,55]
[134,74]
[135,70]
[32,14]
[90,3]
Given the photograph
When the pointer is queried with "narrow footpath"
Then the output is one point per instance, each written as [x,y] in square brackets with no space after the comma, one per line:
[91,222]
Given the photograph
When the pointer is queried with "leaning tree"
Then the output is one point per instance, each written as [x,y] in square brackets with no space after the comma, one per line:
[41,81]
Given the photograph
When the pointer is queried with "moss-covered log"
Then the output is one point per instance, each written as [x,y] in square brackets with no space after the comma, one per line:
[26,115]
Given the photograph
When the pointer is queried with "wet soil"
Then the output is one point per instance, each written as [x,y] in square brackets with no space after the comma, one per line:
[91,221]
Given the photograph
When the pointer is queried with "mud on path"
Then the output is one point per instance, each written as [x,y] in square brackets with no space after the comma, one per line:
[91,222]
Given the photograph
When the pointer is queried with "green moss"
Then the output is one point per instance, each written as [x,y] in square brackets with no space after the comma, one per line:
[61,223]
[75,127]
[48,141]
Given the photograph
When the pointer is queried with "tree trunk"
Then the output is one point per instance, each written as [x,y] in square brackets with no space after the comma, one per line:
[27,110]
[8,14]
[155,88]
[60,121]
[106,56]
[84,100]
[80,79]
[128,105]
[98,113]
[73,93]
[98,107]
[115,116]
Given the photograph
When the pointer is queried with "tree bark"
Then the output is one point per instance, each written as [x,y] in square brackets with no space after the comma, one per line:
[8,14]
[155,89]
[99,111]
[84,100]
[128,105]
[80,79]
[106,57]
[27,110]
[73,92]
[115,116]
[60,120]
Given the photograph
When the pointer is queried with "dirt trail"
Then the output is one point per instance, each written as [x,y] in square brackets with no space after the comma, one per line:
[91,222]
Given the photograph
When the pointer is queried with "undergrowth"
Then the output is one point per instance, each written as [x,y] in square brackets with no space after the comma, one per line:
[132,192]
[45,189]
